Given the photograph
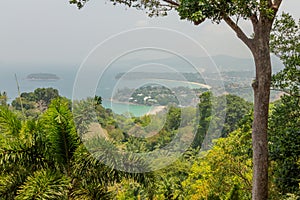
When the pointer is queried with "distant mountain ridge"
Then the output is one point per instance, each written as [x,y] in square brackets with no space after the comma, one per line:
[223,63]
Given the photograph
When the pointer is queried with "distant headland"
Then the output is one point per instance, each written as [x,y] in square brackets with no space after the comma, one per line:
[42,77]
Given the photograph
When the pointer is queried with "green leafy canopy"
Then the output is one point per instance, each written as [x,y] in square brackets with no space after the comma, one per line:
[285,43]
[197,10]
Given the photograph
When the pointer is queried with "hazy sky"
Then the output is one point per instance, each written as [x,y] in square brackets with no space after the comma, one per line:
[54,32]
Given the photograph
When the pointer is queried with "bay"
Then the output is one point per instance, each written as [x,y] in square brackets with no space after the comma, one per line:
[65,85]
[127,109]
[65,88]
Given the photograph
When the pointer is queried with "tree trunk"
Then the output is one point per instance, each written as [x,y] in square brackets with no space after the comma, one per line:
[261,87]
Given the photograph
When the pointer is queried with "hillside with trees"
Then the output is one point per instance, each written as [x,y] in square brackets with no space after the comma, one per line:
[261,16]
[50,157]
[55,148]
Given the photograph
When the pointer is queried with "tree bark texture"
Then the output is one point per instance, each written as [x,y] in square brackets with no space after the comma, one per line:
[261,87]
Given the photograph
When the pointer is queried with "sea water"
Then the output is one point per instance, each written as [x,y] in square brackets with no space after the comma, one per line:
[65,86]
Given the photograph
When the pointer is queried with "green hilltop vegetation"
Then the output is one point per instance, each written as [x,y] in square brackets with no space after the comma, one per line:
[235,82]
[44,155]
[159,95]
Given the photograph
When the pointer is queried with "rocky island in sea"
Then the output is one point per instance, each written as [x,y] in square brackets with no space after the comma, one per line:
[42,77]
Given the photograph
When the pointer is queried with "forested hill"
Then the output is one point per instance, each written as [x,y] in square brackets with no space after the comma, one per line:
[52,148]
[49,142]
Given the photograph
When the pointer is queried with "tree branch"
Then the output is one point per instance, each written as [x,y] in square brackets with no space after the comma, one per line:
[276,4]
[254,21]
[288,92]
[173,3]
[270,2]
[239,32]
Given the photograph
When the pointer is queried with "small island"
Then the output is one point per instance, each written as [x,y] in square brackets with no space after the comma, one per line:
[42,77]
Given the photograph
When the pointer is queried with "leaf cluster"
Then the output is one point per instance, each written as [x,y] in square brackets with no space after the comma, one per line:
[285,43]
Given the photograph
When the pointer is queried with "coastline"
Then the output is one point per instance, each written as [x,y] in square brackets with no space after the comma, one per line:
[122,102]
[148,110]
[156,110]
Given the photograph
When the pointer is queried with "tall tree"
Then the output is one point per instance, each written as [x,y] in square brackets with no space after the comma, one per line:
[261,14]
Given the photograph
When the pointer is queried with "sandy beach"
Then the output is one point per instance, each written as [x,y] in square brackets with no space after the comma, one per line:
[156,110]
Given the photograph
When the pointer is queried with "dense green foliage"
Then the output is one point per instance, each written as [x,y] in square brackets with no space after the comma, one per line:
[224,170]
[47,151]
[285,144]
[46,158]
[218,116]
[285,118]
[285,43]
[33,103]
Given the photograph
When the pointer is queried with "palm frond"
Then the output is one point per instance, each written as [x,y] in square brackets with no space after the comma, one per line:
[9,122]
[99,163]
[23,150]
[9,182]
[59,129]
[44,184]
